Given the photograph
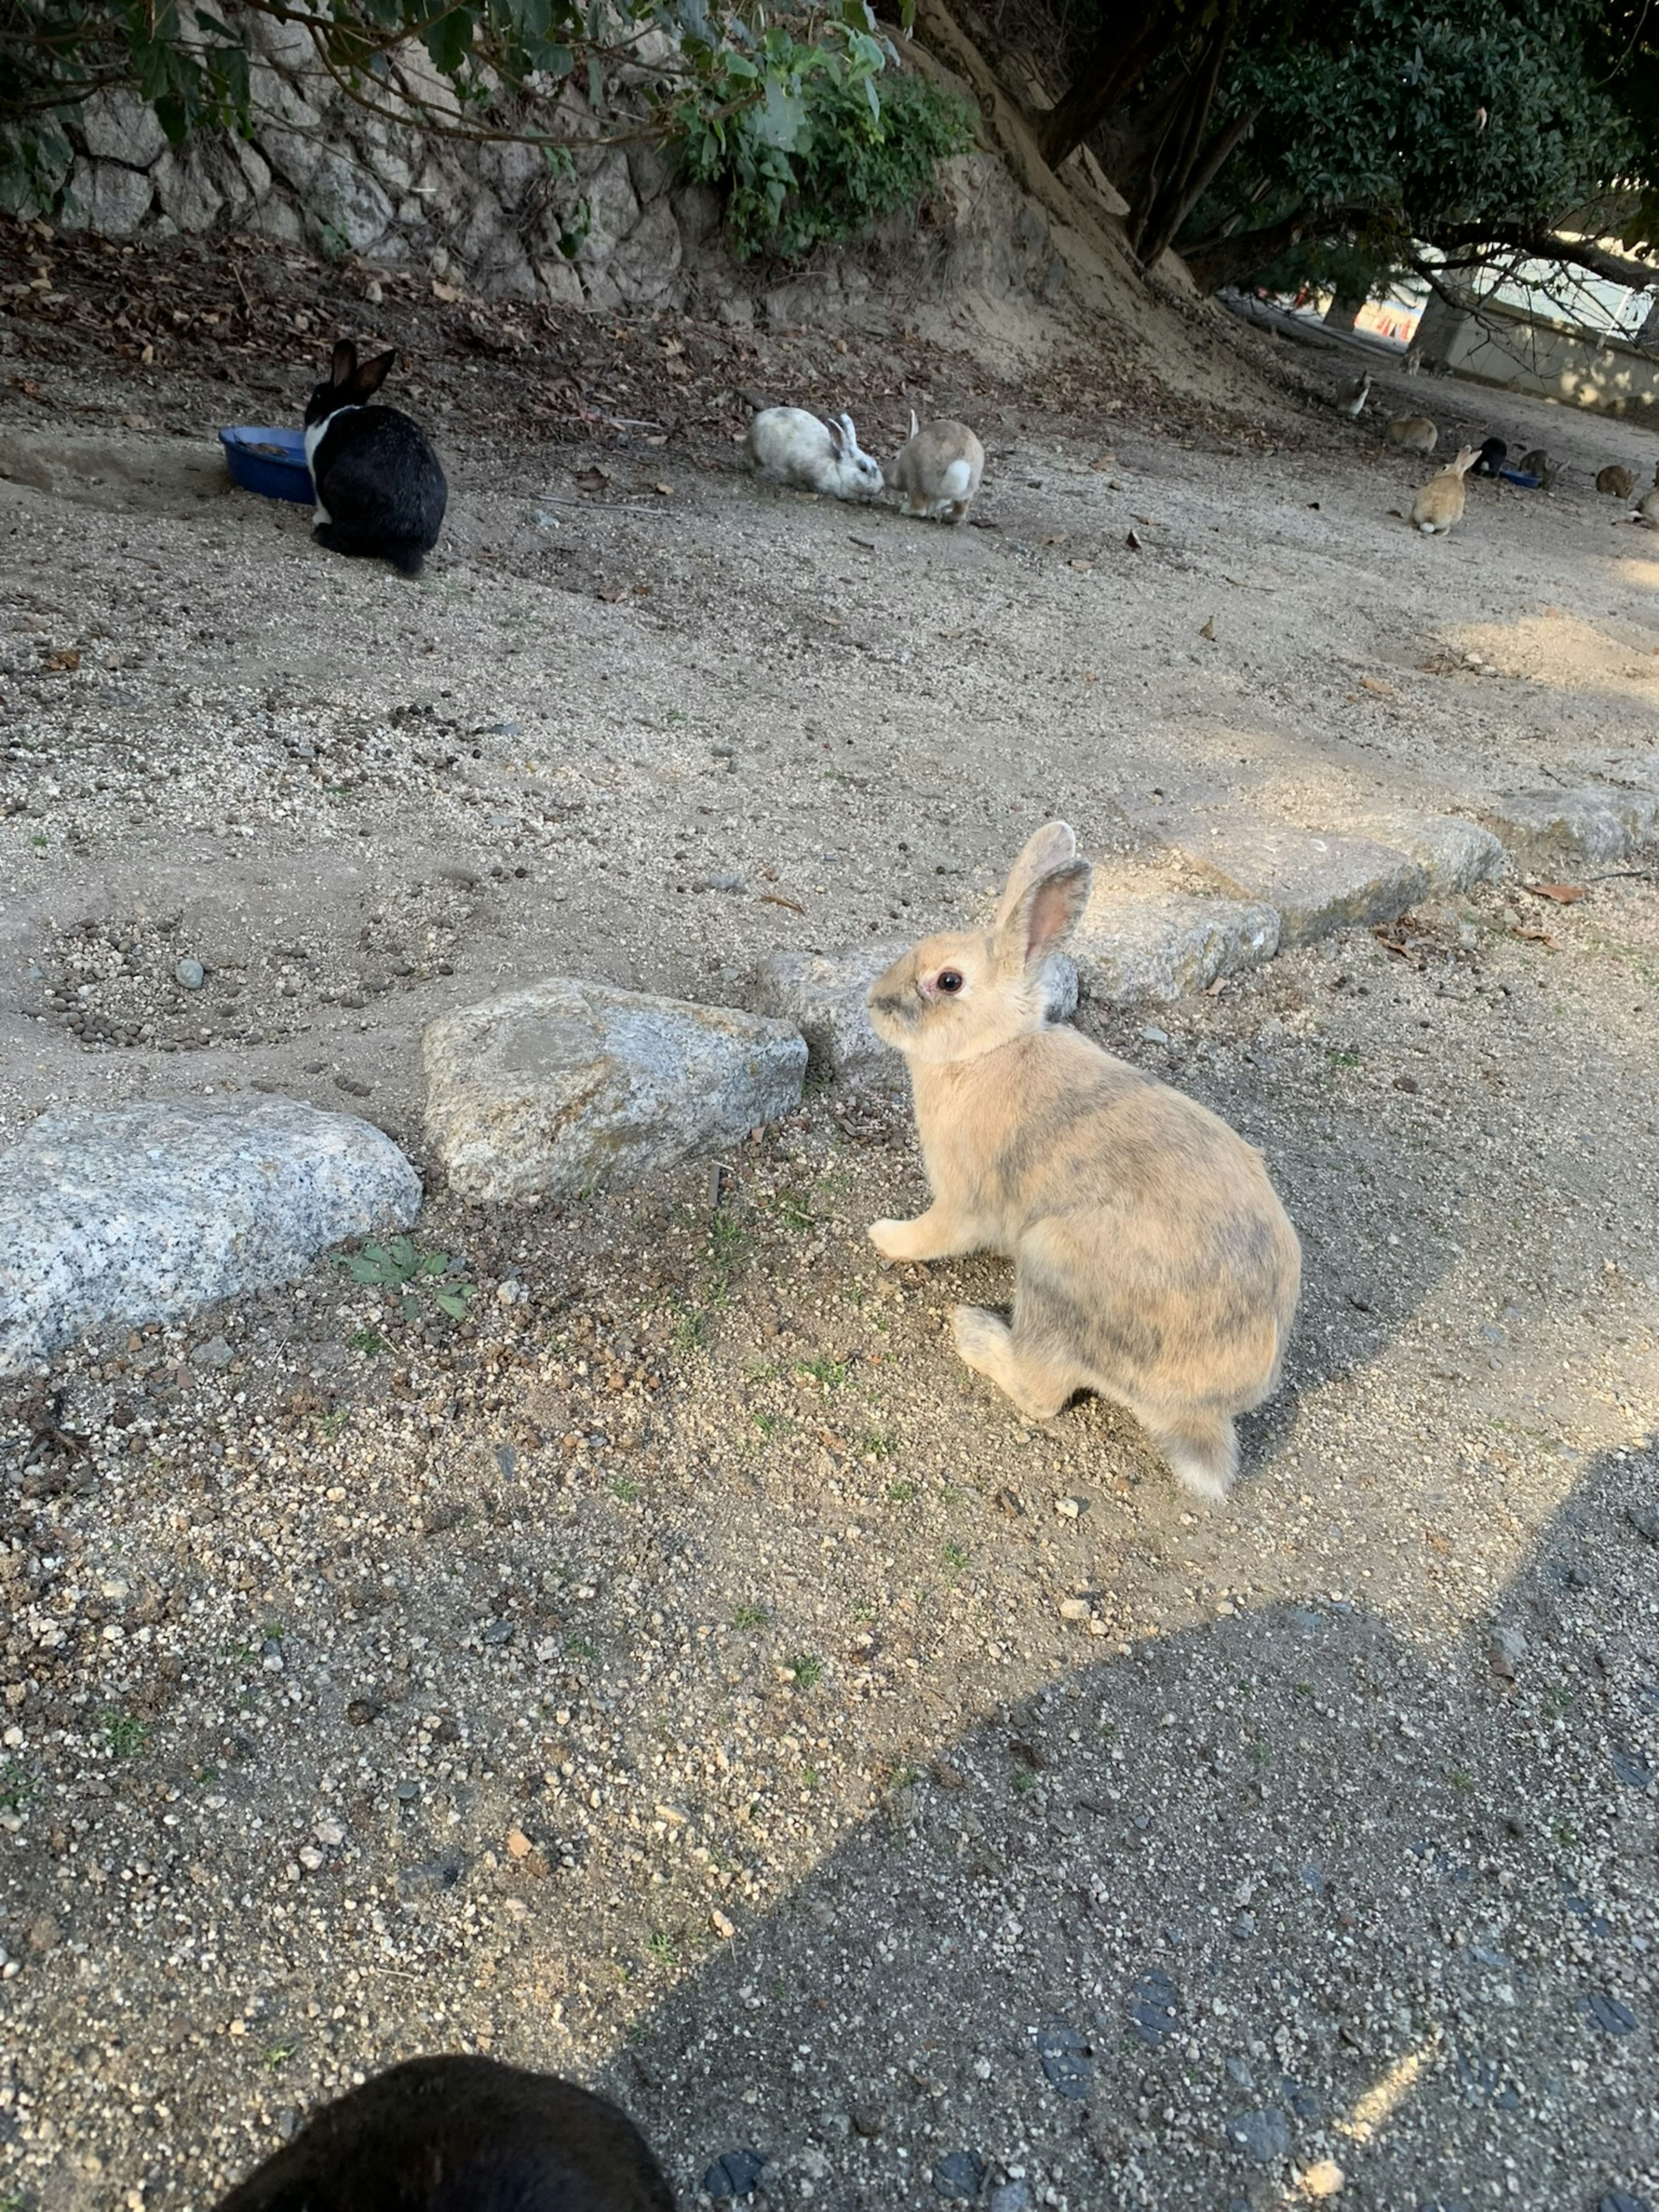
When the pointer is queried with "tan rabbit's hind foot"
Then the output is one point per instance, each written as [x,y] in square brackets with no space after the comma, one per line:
[1201,1454]
[935,1235]
[1038,1387]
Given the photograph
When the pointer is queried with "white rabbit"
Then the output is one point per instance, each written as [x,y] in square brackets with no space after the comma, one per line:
[793,448]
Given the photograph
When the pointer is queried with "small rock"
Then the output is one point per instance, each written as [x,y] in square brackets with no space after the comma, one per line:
[734,2173]
[406,1792]
[353,1085]
[1505,1649]
[189,973]
[960,2174]
[1074,1608]
[1645,1519]
[499,1633]
[1151,1034]
[519,1845]
[1406,1082]
[213,1354]
[1324,2178]
[1617,2200]
[866,2121]
[1631,1768]
[360,1711]
[1012,2197]
[329,1833]
[1239,2072]
[546,1092]
[43,1935]
[1154,2005]
[1069,1509]
[1608,2014]
[729,882]
[431,1875]
[1065,2059]
[1261,2136]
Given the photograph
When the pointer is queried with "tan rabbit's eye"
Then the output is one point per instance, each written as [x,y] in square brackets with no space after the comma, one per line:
[949,981]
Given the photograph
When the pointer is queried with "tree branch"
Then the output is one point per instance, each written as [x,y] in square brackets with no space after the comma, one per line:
[1549,245]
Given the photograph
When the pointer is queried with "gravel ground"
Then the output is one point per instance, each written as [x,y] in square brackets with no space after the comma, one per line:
[679,1672]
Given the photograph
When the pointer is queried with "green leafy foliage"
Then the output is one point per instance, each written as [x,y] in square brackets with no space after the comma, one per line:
[398,1266]
[805,146]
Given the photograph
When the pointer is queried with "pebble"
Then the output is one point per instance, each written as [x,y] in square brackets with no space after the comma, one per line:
[190,973]
[1617,2200]
[1645,1519]
[1608,2014]
[960,2174]
[1261,2136]
[406,1792]
[734,2173]
[1065,2059]
[1324,2178]
[1630,1769]
[499,1633]
[1152,1035]
[730,883]
[1154,2006]
[1239,2072]
[1012,2197]
[1074,1608]
[213,1353]
[1505,1649]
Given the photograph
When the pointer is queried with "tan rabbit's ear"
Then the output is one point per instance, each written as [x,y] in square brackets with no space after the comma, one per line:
[1045,917]
[1048,848]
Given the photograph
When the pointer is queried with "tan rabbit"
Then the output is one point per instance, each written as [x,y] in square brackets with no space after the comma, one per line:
[1153,1262]
[1412,434]
[1617,480]
[938,469]
[1440,501]
[1647,507]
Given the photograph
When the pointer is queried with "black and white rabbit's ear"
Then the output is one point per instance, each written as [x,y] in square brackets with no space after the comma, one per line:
[372,373]
[344,366]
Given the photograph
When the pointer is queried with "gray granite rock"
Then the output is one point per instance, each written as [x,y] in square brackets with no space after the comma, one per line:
[1168,947]
[151,1211]
[553,1090]
[1456,854]
[1564,829]
[823,995]
[1318,881]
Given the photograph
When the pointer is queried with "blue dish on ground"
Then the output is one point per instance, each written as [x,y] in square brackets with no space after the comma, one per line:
[1514,476]
[270,462]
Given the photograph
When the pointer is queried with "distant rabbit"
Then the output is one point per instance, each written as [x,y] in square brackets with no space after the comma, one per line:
[1617,480]
[938,469]
[1489,459]
[1412,434]
[1535,464]
[460,2135]
[378,488]
[1153,1262]
[791,446]
[1350,398]
[1440,501]
[1647,507]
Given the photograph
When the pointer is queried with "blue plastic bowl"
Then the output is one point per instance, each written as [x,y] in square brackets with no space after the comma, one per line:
[270,462]
[1514,476]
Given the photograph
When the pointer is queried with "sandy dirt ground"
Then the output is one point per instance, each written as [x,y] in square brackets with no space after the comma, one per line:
[680,1673]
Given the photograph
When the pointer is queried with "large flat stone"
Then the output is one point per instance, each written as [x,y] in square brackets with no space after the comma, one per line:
[1168,947]
[1454,853]
[1317,883]
[1561,828]
[823,995]
[556,1088]
[152,1211]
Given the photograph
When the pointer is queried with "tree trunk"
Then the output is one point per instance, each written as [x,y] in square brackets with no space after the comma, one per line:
[1132,36]
[1344,309]
[1219,151]
[1218,261]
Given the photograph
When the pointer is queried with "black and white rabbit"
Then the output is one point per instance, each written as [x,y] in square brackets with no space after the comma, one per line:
[379,488]
[455,2133]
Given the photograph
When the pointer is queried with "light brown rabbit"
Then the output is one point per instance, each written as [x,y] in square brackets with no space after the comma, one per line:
[1615,479]
[1647,507]
[938,469]
[1153,1262]
[1439,503]
[1412,434]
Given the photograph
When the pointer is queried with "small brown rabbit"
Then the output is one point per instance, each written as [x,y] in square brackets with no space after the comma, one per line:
[1412,434]
[1440,501]
[1153,1262]
[1615,479]
[938,469]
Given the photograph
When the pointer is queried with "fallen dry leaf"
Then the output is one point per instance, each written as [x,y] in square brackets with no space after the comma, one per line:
[776,898]
[1086,566]
[1563,894]
[1132,542]
[65,658]
[1208,629]
[449,293]
[1060,540]
[667,491]
[1376,684]
[1535,937]
[519,1844]
[613,593]
[1103,461]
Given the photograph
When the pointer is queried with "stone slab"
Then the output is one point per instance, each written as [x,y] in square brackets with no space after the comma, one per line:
[567,1085]
[1565,829]
[152,1211]
[1168,947]
[1318,883]
[1454,854]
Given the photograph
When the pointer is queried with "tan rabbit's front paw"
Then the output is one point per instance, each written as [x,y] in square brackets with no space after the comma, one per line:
[892,1239]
